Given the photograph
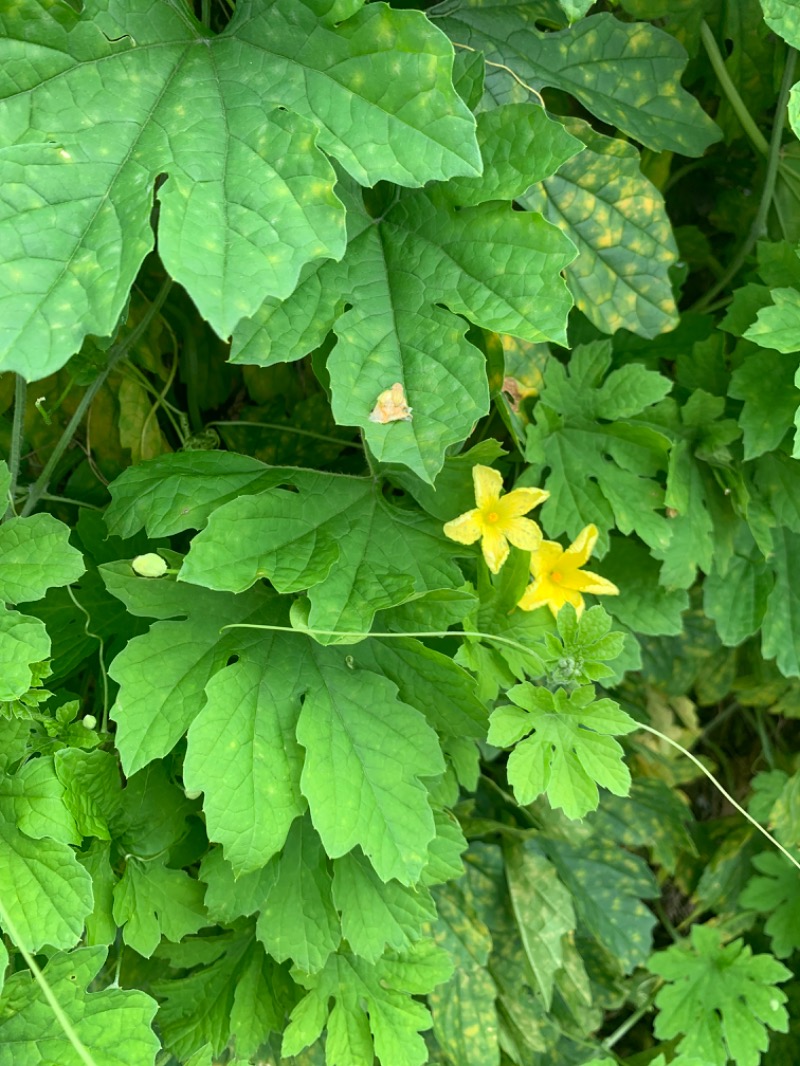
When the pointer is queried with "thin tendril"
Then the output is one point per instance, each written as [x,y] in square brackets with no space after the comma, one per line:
[69,1032]
[508,70]
[101,655]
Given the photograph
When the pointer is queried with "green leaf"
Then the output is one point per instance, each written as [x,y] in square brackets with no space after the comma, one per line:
[298,919]
[778,326]
[229,897]
[465,1020]
[100,925]
[775,894]
[627,74]
[337,537]
[521,145]
[721,999]
[643,605]
[654,816]
[737,599]
[374,1012]
[496,267]
[766,383]
[781,625]
[249,197]
[782,17]
[600,473]
[113,1025]
[233,989]
[778,478]
[617,220]
[39,802]
[52,893]
[23,643]
[36,555]
[152,900]
[377,915]
[365,750]
[572,749]
[179,491]
[607,885]
[243,753]
[543,910]
[92,788]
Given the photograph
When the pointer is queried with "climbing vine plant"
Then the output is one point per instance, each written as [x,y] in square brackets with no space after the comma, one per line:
[400,542]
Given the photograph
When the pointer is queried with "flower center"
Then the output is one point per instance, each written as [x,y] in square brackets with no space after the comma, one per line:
[556,576]
[493,517]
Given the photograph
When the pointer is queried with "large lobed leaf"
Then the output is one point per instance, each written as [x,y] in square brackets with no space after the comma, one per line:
[95,107]
[455,246]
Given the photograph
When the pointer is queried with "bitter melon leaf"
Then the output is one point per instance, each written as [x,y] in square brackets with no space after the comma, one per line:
[775,895]
[543,911]
[778,325]
[39,801]
[607,885]
[229,897]
[151,900]
[36,555]
[114,1025]
[336,536]
[91,785]
[780,631]
[176,492]
[737,599]
[465,1021]
[365,750]
[374,1012]
[627,74]
[100,925]
[599,472]
[52,893]
[163,673]
[365,754]
[249,196]
[617,220]
[298,920]
[243,753]
[377,915]
[783,17]
[406,277]
[24,641]
[643,605]
[654,816]
[572,749]
[722,999]
[766,383]
[520,145]
[692,492]
[233,989]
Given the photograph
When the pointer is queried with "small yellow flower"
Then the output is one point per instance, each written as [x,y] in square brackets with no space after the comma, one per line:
[497,520]
[558,578]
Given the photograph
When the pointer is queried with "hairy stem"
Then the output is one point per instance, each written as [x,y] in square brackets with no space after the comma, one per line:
[17,433]
[767,192]
[117,353]
[729,89]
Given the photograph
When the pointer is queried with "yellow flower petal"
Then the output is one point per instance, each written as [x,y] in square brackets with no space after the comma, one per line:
[519,501]
[495,548]
[534,596]
[523,533]
[545,558]
[466,529]
[583,546]
[586,581]
[488,484]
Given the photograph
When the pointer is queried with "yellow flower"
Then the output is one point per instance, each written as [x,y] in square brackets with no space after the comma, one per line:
[558,578]
[497,520]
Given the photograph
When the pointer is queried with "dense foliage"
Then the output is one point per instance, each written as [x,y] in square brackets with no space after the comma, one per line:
[400,565]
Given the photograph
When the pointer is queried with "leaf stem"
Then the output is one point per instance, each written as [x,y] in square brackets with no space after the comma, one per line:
[69,1032]
[385,635]
[722,791]
[767,192]
[508,70]
[17,433]
[629,1022]
[283,428]
[731,92]
[116,354]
